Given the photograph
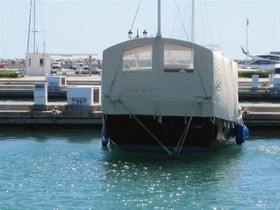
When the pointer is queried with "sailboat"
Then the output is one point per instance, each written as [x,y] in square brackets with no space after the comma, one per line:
[169,95]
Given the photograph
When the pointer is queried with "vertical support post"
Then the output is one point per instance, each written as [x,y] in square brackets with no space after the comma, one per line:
[255,81]
[159,19]
[90,65]
[34,27]
[193,21]
[247,31]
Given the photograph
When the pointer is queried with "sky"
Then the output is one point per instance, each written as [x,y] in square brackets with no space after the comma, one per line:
[91,26]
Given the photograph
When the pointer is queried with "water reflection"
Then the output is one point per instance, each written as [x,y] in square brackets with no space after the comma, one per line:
[44,133]
[165,181]
[71,166]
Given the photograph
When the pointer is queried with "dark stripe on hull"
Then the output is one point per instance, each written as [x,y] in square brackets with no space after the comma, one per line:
[203,134]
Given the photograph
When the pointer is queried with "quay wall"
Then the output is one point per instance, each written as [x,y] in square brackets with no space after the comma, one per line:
[59,113]
[255,114]
[52,114]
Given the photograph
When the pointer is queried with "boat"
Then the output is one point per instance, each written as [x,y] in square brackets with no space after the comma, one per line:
[168,95]
[261,62]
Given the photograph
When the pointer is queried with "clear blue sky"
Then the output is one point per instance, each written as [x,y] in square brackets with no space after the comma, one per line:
[90,26]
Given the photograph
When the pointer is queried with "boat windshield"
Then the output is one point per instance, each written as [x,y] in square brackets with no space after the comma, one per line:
[178,58]
[138,58]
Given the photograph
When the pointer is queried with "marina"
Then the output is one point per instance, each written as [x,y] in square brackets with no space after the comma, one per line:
[160,119]
[17,103]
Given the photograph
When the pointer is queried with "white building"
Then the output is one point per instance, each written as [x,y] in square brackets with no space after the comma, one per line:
[38,64]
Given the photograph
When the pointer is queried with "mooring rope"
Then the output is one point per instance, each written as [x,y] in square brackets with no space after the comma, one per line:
[178,148]
[161,144]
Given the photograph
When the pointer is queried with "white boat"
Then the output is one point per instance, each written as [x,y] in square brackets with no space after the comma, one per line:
[261,62]
[161,94]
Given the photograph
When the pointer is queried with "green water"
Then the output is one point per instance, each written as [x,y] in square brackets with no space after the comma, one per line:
[69,169]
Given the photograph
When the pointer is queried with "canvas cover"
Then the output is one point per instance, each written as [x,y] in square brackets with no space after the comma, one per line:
[168,77]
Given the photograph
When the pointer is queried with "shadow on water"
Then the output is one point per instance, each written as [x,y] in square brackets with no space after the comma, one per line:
[115,154]
[264,133]
[44,133]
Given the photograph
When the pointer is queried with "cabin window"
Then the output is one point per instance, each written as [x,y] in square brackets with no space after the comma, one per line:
[263,62]
[178,58]
[138,58]
[29,62]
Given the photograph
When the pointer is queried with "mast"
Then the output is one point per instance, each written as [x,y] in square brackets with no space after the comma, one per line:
[34,27]
[29,25]
[159,19]
[193,20]
[247,50]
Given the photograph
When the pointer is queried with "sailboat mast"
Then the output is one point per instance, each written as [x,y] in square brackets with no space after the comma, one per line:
[29,25]
[193,20]
[34,27]
[247,50]
[159,19]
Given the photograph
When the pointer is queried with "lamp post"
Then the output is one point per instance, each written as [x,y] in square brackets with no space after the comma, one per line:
[145,34]
[130,34]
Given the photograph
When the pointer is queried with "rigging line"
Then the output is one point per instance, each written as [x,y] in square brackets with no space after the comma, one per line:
[42,18]
[135,14]
[167,150]
[175,20]
[115,76]
[114,79]
[200,78]
[208,22]
[120,60]
[29,26]
[186,130]
[184,28]
[34,27]
[203,33]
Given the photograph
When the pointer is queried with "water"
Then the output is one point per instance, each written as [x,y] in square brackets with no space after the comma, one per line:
[69,169]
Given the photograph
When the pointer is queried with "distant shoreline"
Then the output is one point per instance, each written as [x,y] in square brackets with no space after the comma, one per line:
[19,63]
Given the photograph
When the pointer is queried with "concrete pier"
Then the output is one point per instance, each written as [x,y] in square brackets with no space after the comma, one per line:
[256,114]
[263,92]
[54,113]
[261,115]
[24,87]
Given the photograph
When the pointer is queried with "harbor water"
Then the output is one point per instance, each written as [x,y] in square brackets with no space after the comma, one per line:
[68,169]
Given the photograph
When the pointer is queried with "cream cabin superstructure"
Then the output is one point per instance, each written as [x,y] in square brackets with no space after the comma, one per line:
[167,77]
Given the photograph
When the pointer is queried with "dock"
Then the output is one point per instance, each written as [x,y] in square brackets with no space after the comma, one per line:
[24,87]
[261,93]
[55,113]
[261,115]
[259,105]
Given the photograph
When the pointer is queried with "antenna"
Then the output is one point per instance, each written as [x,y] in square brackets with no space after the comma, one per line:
[159,19]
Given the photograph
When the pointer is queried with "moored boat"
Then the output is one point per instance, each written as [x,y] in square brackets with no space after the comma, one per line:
[261,62]
[161,94]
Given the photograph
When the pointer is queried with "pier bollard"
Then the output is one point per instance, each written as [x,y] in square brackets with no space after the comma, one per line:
[255,81]
[270,80]
[40,93]
[276,81]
